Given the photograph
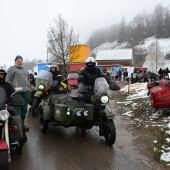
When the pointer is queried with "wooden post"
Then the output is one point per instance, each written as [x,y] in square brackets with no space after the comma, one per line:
[129,85]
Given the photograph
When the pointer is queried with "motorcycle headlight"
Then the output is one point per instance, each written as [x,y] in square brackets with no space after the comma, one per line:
[41,87]
[4,115]
[104,99]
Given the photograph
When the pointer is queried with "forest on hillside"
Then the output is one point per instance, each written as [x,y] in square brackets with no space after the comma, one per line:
[142,26]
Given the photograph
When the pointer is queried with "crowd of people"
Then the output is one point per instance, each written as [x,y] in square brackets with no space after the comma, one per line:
[17,76]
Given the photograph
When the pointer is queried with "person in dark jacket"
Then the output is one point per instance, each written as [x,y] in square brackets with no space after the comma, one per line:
[87,79]
[90,72]
[7,86]
[113,85]
[54,71]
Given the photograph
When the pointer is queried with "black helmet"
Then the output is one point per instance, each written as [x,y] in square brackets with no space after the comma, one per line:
[2,75]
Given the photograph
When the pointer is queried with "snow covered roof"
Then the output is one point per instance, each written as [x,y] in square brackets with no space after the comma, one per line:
[120,54]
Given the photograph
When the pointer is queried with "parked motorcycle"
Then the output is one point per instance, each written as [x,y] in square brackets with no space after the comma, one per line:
[11,128]
[45,86]
[69,111]
[40,92]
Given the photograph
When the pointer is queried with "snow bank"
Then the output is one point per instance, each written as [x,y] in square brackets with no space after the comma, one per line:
[138,90]
[142,94]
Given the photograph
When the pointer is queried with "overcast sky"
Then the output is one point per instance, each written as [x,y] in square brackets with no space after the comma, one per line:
[24,23]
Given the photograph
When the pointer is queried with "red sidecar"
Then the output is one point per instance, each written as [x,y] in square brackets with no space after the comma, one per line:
[160,95]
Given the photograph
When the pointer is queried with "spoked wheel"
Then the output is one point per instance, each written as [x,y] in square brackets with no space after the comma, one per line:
[4,160]
[110,132]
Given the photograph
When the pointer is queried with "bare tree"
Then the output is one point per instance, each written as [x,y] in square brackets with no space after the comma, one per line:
[60,38]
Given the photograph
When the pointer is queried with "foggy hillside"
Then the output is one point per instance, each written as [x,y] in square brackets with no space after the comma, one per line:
[139,28]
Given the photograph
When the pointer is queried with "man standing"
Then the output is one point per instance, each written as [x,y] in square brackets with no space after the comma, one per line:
[19,77]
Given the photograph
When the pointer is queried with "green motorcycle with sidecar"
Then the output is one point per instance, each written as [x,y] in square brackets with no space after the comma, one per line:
[89,108]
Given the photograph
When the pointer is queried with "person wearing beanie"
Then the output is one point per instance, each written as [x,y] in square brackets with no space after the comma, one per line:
[19,77]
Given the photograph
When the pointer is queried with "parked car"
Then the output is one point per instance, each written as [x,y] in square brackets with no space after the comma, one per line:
[73,79]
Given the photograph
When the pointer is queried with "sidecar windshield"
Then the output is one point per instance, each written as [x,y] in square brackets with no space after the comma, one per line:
[101,86]
[45,75]
[3,98]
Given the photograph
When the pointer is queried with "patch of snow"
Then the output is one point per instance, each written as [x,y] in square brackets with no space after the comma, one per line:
[134,88]
[165,156]
[134,104]
[149,47]
[167,132]
[155,141]
[126,103]
[157,125]
[110,46]
[155,149]
[137,119]
[154,116]
[165,121]
[168,126]
[139,95]
[168,140]
[127,114]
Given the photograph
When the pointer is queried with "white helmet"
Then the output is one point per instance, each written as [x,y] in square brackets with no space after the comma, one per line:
[90,61]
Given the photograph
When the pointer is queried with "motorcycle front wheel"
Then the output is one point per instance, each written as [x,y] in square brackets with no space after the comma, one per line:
[110,133]
[4,160]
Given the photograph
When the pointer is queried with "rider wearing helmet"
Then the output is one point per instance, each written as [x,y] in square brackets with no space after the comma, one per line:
[90,72]
[7,86]
[54,71]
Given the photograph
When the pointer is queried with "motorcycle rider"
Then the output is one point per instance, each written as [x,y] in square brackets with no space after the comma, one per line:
[9,90]
[87,79]
[54,71]
[90,72]
[58,81]
[7,86]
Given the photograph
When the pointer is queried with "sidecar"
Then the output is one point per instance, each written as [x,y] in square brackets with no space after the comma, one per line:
[65,111]
[160,95]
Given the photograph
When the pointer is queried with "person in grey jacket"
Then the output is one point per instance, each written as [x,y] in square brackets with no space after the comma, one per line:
[19,77]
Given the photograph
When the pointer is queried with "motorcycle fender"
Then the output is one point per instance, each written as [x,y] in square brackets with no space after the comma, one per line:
[3,145]
[38,94]
[109,112]
[16,121]
[46,112]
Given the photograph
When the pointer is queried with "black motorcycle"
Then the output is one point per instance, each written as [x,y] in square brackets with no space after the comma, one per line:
[12,134]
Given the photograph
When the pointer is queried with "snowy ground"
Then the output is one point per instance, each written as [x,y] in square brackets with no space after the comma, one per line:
[137,107]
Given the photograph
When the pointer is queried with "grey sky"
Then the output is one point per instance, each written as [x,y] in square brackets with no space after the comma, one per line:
[24,23]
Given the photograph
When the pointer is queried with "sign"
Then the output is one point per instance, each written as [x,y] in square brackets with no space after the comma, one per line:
[44,66]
